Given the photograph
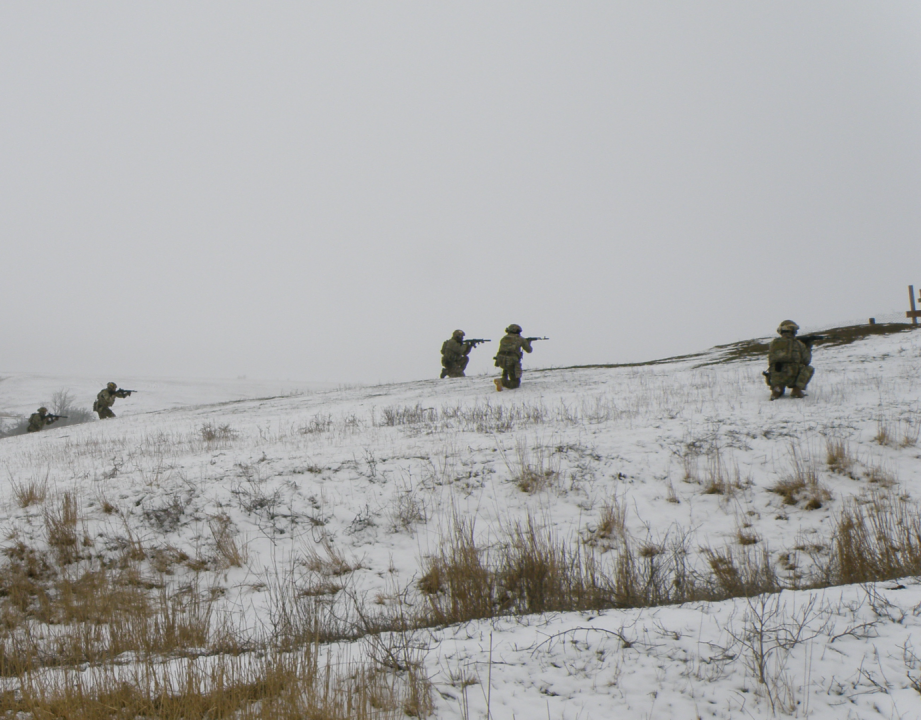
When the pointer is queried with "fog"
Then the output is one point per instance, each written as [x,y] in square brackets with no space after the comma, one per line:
[324,191]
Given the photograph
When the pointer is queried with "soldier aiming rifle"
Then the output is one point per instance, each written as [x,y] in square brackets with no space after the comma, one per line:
[106,399]
[454,353]
[509,356]
[39,419]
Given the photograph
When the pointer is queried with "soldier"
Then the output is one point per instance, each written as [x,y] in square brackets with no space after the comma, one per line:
[106,399]
[38,420]
[454,355]
[509,357]
[788,360]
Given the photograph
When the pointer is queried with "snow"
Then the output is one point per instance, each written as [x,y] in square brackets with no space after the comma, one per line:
[308,467]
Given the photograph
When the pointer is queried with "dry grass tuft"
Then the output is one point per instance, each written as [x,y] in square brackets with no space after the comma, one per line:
[457,581]
[746,537]
[29,493]
[802,485]
[407,511]
[743,573]
[224,533]
[214,434]
[838,457]
[880,476]
[534,470]
[61,529]
[612,524]
[331,562]
[874,541]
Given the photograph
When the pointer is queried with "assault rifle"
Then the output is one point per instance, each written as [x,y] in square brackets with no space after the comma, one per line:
[55,417]
[532,339]
[473,342]
[810,340]
[127,392]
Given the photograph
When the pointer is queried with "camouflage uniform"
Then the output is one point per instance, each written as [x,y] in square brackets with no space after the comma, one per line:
[454,352]
[38,420]
[106,399]
[788,360]
[509,357]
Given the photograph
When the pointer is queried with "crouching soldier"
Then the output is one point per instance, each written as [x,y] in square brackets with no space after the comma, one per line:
[38,420]
[788,359]
[509,357]
[454,355]
[106,399]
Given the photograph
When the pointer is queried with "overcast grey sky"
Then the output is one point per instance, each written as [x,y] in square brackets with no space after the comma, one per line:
[324,191]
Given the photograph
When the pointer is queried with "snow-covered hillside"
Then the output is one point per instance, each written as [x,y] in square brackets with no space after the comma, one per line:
[681,459]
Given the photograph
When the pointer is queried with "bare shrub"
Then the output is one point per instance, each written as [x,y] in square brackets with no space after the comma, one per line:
[63,403]
[768,636]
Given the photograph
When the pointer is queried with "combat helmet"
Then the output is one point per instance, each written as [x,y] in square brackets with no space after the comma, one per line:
[111,386]
[458,334]
[42,411]
[788,326]
[514,328]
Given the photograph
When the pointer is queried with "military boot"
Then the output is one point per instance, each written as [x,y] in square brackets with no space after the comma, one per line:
[498,382]
[777,391]
[797,393]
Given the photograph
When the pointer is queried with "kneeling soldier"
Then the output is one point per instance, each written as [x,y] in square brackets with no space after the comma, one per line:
[38,420]
[454,355]
[789,360]
[509,357]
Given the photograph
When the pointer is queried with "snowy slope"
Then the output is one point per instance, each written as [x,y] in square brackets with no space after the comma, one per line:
[379,473]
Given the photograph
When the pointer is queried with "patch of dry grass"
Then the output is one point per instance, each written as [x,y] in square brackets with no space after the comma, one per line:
[802,484]
[874,540]
[31,492]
